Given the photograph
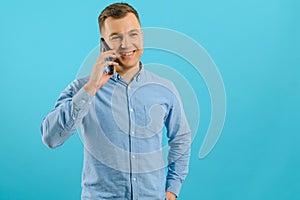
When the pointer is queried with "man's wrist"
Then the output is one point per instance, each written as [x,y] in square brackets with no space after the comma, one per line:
[91,90]
[173,186]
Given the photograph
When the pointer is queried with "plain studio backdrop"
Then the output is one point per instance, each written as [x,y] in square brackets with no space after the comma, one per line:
[254,44]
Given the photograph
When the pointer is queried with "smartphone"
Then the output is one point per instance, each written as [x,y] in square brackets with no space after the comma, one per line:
[110,68]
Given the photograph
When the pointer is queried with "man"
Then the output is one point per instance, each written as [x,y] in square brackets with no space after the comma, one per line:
[121,117]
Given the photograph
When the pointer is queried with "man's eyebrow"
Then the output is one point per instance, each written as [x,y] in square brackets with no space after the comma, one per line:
[115,33]
[130,31]
[134,30]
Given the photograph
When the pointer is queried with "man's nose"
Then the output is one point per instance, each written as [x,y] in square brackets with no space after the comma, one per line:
[124,42]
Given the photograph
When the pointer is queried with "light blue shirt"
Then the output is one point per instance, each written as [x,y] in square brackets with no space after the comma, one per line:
[122,129]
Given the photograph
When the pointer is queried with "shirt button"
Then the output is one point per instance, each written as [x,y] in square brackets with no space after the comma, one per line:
[83,101]
[129,87]
[138,78]
[133,156]
[134,179]
[131,110]
[132,132]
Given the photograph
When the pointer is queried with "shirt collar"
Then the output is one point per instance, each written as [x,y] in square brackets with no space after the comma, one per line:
[137,77]
[116,76]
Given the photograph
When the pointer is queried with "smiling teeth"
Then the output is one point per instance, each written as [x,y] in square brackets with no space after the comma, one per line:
[127,53]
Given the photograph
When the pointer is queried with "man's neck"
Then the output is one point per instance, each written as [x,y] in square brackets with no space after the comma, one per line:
[129,73]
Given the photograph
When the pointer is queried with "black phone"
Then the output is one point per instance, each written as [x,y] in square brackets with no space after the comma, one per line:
[110,68]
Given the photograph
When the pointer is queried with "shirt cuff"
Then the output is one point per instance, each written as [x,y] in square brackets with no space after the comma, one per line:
[81,102]
[173,186]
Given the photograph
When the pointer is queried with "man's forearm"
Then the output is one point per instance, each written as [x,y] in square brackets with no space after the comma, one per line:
[61,123]
[179,156]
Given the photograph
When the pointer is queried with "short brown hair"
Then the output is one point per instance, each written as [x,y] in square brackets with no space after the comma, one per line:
[116,11]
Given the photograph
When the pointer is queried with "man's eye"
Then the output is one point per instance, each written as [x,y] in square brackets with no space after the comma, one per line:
[133,34]
[116,38]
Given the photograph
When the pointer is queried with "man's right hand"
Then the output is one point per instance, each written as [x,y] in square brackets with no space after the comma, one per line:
[97,77]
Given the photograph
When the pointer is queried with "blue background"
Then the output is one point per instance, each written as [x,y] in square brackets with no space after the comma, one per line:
[255,45]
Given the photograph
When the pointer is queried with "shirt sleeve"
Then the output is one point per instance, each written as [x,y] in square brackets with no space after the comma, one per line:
[179,135]
[70,108]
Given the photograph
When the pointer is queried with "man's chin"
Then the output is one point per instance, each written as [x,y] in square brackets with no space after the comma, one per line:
[128,64]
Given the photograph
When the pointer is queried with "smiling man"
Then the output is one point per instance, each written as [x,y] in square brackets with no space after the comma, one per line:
[121,118]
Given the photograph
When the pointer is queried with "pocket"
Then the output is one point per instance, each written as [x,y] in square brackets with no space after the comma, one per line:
[151,118]
[156,118]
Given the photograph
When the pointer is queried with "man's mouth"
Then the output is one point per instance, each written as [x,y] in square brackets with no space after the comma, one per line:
[127,53]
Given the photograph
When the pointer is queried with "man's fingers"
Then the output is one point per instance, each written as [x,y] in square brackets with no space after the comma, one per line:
[111,54]
[111,63]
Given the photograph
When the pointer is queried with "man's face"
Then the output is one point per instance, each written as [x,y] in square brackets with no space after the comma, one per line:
[125,36]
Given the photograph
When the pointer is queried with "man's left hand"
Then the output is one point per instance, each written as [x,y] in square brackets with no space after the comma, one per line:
[170,196]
